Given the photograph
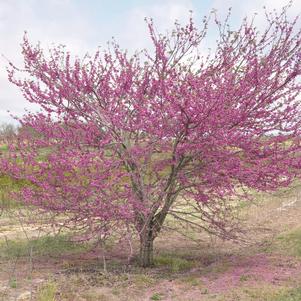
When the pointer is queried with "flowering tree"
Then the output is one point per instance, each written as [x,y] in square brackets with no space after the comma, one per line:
[123,141]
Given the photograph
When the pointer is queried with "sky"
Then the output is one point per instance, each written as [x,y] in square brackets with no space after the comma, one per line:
[83,25]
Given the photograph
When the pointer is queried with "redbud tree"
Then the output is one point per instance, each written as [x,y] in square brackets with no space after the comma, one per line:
[128,140]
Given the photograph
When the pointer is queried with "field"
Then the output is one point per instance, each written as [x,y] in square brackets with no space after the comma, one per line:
[36,266]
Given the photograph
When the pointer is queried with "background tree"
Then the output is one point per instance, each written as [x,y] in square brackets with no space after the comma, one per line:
[8,132]
[128,140]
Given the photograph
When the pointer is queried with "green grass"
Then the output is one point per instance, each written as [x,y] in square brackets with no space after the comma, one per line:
[243,278]
[290,295]
[3,148]
[263,293]
[46,245]
[192,280]
[8,185]
[156,296]
[143,280]
[47,292]
[13,283]
[43,153]
[175,264]
[291,242]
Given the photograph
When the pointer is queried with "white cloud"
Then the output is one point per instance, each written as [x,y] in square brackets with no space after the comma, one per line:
[240,9]
[134,32]
[62,22]
[47,27]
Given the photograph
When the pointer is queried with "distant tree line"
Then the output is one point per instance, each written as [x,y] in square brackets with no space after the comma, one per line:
[7,132]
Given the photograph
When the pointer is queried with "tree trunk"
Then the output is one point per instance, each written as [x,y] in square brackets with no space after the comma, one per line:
[146,256]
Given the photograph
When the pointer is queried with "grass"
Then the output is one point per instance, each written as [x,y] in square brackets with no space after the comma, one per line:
[263,293]
[243,278]
[175,264]
[243,204]
[43,153]
[290,242]
[13,283]
[3,147]
[143,280]
[192,281]
[93,296]
[47,292]
[289,295]
[8,185]
[46,245]
[156,296]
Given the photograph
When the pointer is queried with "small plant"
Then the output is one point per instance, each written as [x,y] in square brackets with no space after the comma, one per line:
[156,296]
[143,280]
[47,292]
[13,283]
[244,278]
[243,204]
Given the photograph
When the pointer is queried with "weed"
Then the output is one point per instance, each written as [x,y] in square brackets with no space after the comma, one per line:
[13,283]
[47,292]
[243,278]
[156,296]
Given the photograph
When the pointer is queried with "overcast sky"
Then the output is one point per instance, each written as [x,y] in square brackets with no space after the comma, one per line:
[82,25]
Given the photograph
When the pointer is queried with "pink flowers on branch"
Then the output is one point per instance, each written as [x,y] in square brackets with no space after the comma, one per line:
[128,140]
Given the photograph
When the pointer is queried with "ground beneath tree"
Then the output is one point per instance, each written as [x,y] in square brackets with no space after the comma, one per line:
[268,267]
